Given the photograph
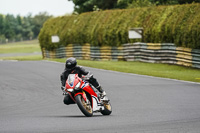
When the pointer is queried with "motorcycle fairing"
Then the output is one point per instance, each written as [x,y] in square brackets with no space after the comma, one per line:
[84,84]
[96,105]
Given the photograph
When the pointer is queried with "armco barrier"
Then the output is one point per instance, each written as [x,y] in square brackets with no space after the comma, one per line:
[145,52]
[162,53]
[86,52]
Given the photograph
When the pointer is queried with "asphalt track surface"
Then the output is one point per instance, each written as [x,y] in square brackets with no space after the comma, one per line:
[31,102]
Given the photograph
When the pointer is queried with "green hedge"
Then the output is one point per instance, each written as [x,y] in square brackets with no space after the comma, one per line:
[179,24]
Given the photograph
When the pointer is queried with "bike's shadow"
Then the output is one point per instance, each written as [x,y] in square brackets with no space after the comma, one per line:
[72,116]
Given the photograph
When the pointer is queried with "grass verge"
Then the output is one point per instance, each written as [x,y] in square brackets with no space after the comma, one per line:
[157,70]
[23,58]
[20,47]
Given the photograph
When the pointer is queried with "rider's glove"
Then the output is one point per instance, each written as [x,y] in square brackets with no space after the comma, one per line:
[62,88]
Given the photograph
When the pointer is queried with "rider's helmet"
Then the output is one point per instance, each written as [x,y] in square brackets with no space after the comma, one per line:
[70,63]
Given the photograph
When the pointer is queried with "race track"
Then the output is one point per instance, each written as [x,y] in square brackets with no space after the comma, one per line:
[31,102]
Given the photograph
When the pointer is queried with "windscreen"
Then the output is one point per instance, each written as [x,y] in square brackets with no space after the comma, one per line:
[70,79]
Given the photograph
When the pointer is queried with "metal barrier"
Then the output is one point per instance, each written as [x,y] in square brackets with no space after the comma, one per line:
[86,52]
[162,53]
[145,52]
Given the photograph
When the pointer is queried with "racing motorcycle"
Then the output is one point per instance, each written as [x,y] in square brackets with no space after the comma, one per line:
[88,99]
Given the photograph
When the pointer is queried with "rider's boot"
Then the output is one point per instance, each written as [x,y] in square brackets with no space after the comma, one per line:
[102,92]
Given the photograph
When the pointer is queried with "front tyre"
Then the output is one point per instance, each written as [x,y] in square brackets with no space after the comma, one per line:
[107,108]
[85,107]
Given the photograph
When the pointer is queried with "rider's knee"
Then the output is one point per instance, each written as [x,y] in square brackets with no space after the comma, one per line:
[67,100]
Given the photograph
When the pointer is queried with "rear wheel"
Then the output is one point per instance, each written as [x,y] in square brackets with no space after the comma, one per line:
[85,107]
[107,108]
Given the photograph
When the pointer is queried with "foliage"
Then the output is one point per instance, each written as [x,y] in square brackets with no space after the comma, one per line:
[93,5]
[179,24]
[144,3]
[140,3]
[38,21]
[21,28]
[187,1]
[90,5]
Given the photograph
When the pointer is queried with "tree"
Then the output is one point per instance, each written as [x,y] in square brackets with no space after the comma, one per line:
[106,4]
[140,3]
[170,2]
[89,5]
[143,3]
[10,26]
[38,21]
[187,1]
[19,28]
[123,3]
[135,3]
[27,27]
[1,23]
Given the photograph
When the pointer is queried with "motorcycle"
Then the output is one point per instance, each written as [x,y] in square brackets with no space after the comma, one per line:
[88,99]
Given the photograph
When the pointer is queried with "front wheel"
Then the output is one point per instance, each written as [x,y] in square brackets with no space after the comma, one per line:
[85,107]
[107,108]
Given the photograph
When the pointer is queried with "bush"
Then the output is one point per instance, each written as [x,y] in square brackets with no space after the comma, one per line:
[179,24]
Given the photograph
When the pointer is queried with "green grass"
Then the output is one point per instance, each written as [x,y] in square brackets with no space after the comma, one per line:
[23,58]
[157,70]
[20,47]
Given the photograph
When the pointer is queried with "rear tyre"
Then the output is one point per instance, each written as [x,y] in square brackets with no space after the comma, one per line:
[85,108]
[107,108]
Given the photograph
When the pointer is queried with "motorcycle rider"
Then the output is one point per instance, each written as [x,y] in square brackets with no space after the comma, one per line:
[72,68]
